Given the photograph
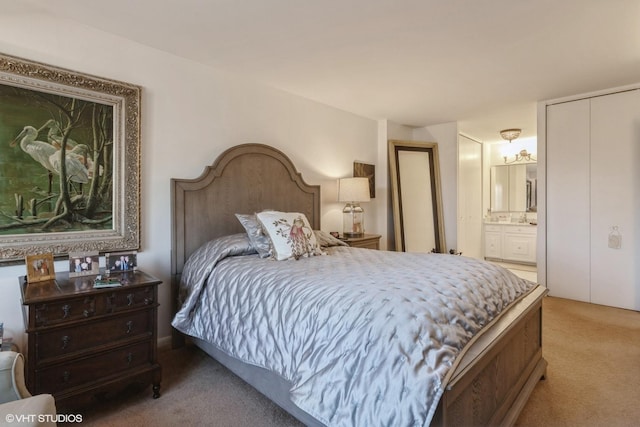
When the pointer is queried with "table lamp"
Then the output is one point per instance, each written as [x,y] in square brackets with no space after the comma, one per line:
[353,191]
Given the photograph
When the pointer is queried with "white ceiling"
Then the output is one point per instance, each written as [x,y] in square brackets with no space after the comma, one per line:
[483,63]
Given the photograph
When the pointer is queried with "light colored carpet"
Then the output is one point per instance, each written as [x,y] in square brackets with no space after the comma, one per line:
[196,391]
[593,379]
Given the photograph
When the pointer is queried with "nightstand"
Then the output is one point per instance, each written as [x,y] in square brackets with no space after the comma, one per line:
[369,241]
[84,344]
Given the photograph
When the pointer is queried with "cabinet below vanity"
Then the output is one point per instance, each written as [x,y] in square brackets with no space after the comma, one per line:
[513,242]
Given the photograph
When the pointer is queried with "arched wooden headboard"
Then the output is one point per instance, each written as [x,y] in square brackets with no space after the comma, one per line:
[244,179]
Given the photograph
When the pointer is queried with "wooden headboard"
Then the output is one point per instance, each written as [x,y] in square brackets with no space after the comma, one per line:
[244,179]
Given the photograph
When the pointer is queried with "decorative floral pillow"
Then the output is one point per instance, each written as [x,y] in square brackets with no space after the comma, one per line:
[290,234]
[258,239]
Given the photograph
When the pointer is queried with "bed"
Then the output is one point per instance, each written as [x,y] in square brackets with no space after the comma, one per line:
[497,358]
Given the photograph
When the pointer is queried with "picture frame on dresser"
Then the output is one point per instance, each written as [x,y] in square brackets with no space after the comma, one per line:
[84,263]
[89,202]
[118,262]
[40,267]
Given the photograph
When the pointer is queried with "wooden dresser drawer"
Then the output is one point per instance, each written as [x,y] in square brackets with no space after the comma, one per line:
[86,336]
[72,310]
[67,311]
[129,299]
[85,370]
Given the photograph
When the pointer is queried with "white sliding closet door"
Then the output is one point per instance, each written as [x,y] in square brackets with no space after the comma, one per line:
[615,199]
[567,216]
[593,193]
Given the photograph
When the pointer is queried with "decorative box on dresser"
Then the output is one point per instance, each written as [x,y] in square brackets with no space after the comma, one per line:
[86,343]
[368,241]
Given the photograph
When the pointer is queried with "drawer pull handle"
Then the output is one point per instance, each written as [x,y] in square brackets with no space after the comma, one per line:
[66,376]
[129,326]
[86,313]
[65,311]
[130,299]
[65,341]
[129,358]
[148,301]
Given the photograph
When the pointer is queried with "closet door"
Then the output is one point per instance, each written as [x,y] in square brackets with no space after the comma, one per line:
[567,186]
[615,199]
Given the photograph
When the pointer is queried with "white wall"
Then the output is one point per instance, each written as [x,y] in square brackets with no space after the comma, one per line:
[190,114]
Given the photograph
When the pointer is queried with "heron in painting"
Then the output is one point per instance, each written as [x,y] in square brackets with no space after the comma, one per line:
[39,151]
[76,171]
[54,136]
[81,152]
[49,157]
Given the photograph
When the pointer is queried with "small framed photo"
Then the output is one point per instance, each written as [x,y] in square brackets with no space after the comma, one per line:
[121,261]
[82,264]
[40,267]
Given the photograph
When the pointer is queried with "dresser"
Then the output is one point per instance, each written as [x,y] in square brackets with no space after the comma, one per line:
[368,241]
[85,344]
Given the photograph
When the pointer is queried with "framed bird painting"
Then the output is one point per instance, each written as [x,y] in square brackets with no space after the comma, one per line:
[69,161]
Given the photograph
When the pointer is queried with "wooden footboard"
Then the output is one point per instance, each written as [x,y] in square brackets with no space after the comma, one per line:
[491,388]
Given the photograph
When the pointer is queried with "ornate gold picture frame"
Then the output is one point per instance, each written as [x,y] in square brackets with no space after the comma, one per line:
[69,161]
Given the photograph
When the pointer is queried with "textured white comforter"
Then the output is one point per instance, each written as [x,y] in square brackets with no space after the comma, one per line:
[367,338]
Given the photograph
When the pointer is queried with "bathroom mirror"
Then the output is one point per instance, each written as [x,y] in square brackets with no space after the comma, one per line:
[514,188]
[417,199]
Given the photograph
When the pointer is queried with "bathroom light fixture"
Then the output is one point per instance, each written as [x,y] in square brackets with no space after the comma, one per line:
[522,156]
[510,134]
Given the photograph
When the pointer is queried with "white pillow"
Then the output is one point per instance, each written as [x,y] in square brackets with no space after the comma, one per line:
[290,234]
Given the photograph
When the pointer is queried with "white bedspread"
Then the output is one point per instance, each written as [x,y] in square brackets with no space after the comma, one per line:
[367,338]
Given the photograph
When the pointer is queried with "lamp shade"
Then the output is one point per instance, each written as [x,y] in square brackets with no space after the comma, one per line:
[353,190]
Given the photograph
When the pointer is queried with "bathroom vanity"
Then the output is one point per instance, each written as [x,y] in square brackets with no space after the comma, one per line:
[509,234]
[513,242]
